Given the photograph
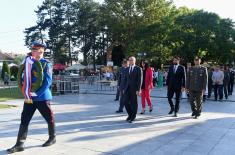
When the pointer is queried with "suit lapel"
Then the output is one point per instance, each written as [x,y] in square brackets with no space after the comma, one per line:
[172,68]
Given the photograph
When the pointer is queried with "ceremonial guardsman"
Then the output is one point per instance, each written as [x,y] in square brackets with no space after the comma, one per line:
[35,79]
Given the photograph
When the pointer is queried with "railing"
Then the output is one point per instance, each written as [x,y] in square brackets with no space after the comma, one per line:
[76,84]
[65,84]
[11,84]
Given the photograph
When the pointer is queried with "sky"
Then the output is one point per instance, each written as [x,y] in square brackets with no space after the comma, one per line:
[224,8]
[16,15]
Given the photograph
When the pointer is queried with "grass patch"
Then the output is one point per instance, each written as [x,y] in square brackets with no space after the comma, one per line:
[10,94]
[3,106]
[4,99]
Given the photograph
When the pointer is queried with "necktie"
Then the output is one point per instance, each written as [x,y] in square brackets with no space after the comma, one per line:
[131,69]
[174,68]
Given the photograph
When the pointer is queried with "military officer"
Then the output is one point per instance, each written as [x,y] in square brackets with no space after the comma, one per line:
[41,101]
[196,85]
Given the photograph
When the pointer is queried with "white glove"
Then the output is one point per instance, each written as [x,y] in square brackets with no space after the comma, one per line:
[33,94]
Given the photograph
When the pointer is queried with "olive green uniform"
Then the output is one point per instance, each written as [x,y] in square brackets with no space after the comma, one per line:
[196,83]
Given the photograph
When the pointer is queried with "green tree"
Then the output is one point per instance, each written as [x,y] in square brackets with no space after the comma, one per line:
[18,60]
[5,69]
[138,26]
[87,29]
[14,71]
[205,34]
[155,27]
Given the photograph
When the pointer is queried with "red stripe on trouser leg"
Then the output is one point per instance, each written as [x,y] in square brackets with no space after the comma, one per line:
[51,112]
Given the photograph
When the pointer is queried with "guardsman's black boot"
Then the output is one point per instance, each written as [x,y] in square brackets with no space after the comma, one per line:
[52,136]
[19,146]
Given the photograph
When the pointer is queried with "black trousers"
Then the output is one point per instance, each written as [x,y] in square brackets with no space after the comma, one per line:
[122,101]
[218,89]
[117,94]
[210,86]
[170,94]
[230,87]
[226,90]
[131,105]
[43,107]
[6,83]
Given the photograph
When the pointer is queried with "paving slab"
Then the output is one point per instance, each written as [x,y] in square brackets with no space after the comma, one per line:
[87,124]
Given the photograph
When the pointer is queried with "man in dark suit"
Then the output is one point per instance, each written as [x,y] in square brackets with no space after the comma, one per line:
[231,81]
[121,84]
[132,89]
[175,82]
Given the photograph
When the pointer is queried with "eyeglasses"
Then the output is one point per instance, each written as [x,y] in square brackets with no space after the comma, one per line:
[196,59]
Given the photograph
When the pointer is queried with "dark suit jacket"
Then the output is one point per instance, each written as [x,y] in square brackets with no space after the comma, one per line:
[121,78]
[133,80]
[175,81]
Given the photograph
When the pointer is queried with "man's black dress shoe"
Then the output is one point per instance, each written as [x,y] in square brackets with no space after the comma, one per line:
[175,114]
[171,112]
[128,118]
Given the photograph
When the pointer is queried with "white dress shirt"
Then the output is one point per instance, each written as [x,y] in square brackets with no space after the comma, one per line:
[175,68]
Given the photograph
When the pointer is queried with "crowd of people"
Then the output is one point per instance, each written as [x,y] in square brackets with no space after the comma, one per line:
[133,81]
[221,80]
[159,77]
[198,82]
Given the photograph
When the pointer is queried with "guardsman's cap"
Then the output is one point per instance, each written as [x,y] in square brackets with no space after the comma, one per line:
[38,44]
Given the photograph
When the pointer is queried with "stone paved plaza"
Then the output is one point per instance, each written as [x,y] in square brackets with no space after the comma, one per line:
[88,125]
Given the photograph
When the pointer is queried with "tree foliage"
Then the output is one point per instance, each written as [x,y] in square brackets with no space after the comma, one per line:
[155,27]
[5,69]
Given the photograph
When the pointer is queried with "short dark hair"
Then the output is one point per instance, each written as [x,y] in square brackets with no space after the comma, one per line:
[124,61]
[176,57]
[145,62]
[197,58]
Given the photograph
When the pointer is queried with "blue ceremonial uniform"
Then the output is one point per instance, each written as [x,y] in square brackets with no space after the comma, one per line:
[41,102]
[44,92]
